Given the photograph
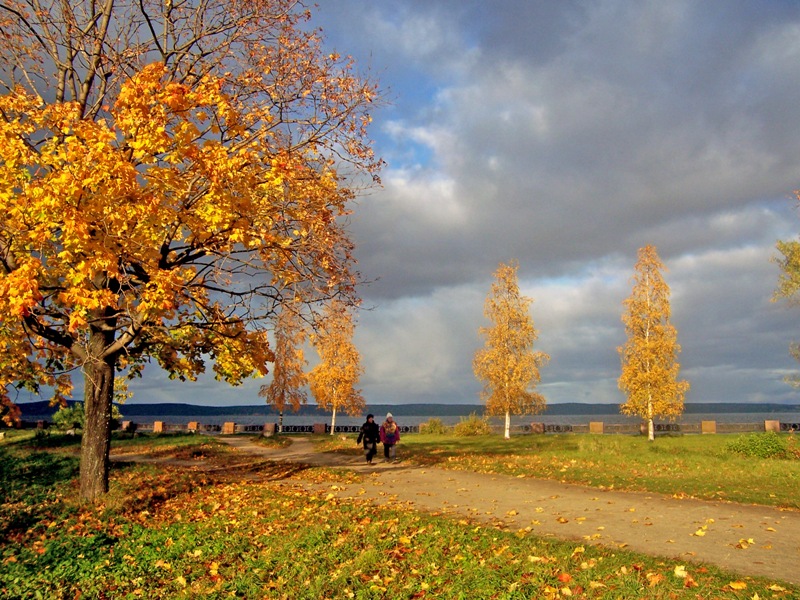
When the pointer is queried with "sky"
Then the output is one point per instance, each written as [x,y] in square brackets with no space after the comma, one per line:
[566,135]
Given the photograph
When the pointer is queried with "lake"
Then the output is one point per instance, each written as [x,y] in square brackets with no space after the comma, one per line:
[609,419]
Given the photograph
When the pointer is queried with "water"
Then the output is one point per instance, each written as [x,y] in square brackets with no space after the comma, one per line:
[410,420]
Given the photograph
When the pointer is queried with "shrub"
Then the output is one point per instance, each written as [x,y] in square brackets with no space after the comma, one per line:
[474,425]
[72,417]
[759,445]
[433,426]
[69,417]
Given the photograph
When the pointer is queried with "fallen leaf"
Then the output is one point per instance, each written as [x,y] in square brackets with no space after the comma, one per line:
[680,571]
[596,584]
[738,585]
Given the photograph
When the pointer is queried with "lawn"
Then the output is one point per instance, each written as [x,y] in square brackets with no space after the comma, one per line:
[246,528]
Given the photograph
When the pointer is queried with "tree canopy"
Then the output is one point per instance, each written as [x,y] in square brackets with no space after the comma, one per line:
[789,287]
[507,364]
[334,379]
[172,173]
[650,367]
[287,391]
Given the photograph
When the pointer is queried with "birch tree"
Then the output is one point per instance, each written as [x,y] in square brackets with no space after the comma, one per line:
[507,365]
[287,391]
[650,367]
[789,288]
[334,379]
[170,173]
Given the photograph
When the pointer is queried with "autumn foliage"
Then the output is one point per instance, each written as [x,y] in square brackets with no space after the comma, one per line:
[334,379]
[507,364]
[789,286]
[287,391]
[650,368]
[179,173]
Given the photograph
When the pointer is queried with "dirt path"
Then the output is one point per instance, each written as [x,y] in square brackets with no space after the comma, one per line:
[751,540]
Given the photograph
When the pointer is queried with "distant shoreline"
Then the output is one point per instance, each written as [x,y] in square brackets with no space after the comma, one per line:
[42,409]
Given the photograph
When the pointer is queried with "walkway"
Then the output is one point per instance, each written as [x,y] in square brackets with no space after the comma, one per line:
[750,540]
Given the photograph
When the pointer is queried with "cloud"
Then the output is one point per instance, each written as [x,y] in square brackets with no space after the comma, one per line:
[567,135]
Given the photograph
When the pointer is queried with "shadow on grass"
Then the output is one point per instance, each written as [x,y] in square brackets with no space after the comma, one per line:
[28,484]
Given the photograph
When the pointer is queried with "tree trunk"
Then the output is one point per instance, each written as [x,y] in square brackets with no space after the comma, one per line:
[333,420]
[280,422]
[508,426]
[96,442]
[651,430]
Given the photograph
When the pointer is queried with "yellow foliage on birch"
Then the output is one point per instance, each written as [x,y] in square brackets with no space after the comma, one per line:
[334,379]
[507,364]
[286,390]
[650,367]
[789,287]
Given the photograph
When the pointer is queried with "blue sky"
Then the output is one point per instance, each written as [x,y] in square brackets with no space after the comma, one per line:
[566,135]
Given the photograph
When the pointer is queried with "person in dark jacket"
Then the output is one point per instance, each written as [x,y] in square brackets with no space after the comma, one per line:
[369,436]
[390,435]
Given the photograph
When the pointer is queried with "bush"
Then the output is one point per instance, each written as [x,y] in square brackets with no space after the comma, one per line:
[759,445]
[433,426]
[474,425]
[69,417]
[72,417]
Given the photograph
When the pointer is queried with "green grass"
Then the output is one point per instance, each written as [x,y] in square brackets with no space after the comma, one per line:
[701,466]
[254,530]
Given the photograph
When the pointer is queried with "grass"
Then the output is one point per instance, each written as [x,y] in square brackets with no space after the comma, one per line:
[273,530]
[685,465]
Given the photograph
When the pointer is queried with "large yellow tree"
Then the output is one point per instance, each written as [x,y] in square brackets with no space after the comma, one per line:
[507,365]
[287,391]
[650,367]
[171,173]
[334,379]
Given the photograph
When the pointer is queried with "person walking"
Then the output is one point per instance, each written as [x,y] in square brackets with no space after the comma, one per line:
[369,436]
[390,435]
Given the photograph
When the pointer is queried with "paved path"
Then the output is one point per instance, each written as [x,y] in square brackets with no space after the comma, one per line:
[750,540]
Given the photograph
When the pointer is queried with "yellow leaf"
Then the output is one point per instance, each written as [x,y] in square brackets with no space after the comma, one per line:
[738,585]
[596,584]
[776,588]
[680,571]
[700,532]
[181,580]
